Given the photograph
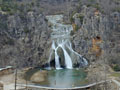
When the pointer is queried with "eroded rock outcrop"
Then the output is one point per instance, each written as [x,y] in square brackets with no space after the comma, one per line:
[25,41]
[39,76]
[98,37]
[24,33]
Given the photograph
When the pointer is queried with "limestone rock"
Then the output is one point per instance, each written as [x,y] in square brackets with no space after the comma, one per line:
[97,37]
[39,76]
[27,41]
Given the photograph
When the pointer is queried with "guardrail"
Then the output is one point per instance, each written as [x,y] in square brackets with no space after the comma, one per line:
[81,87]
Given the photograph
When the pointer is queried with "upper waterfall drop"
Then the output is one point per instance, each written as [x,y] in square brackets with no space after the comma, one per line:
[61,39]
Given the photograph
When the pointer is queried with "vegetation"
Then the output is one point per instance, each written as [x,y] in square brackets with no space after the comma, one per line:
[114,62]
[71,17]
[116,74]
[116,9]
[9,41]
[96,5]
[91,0]
[81,16]
[75,27]
[3,22]
[26,30]
[79,6]
[9,6]
[116,1]
[72,33]
[3,25]
[116,67]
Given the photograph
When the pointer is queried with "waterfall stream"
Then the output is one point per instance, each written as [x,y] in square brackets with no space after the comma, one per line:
[61,39]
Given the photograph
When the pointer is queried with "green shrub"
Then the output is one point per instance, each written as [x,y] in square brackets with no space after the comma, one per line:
[0,9]
[116,67]
[3,25]
[116,9]
[9,6]
[76,27]
[33,3]
[97,6]
[26,30]
[72,33]
[81,16]
[9,41]
[116,1]
[5,8]
[89,5]
[71,19]
[79,6]
[91,0]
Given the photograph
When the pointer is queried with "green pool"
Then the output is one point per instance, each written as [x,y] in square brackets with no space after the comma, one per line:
[63,78]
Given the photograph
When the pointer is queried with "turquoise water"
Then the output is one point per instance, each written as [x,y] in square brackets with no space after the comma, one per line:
[63,78]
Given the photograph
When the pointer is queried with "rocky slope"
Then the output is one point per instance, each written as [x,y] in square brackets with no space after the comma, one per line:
[97,37]
[25,35]
[26,41]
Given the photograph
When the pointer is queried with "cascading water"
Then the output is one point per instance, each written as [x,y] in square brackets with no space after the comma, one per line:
[61,39]
[57,63]
[68,61]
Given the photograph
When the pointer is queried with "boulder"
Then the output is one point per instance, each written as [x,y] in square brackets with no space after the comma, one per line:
[6,71]
[39,76]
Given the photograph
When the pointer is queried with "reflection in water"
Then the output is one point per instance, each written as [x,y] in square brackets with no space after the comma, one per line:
[64,78]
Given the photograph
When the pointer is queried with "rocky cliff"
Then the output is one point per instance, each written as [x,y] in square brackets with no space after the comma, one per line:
[25,35]
[24,40]
[97,36]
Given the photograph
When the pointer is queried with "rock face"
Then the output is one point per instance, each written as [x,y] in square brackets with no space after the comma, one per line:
[6,71]
[25,40]
[25,36]
[98,37]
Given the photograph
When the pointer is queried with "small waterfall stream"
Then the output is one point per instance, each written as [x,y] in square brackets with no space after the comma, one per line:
[68,61]
[57,63]
[61,39]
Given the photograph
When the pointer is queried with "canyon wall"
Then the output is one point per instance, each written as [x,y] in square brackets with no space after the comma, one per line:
[25,34]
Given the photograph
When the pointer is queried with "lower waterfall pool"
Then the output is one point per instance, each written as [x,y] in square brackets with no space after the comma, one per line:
[63,78]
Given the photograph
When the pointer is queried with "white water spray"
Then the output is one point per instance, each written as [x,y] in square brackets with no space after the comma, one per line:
[61,39]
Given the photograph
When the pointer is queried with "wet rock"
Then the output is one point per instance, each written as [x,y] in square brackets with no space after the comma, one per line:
[62,57]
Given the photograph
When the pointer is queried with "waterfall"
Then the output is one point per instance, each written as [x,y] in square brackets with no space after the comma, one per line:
[84,61]
[68,60]
[61,39]
[57,63]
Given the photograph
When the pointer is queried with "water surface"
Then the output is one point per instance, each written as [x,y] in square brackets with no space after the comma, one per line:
[63,78]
